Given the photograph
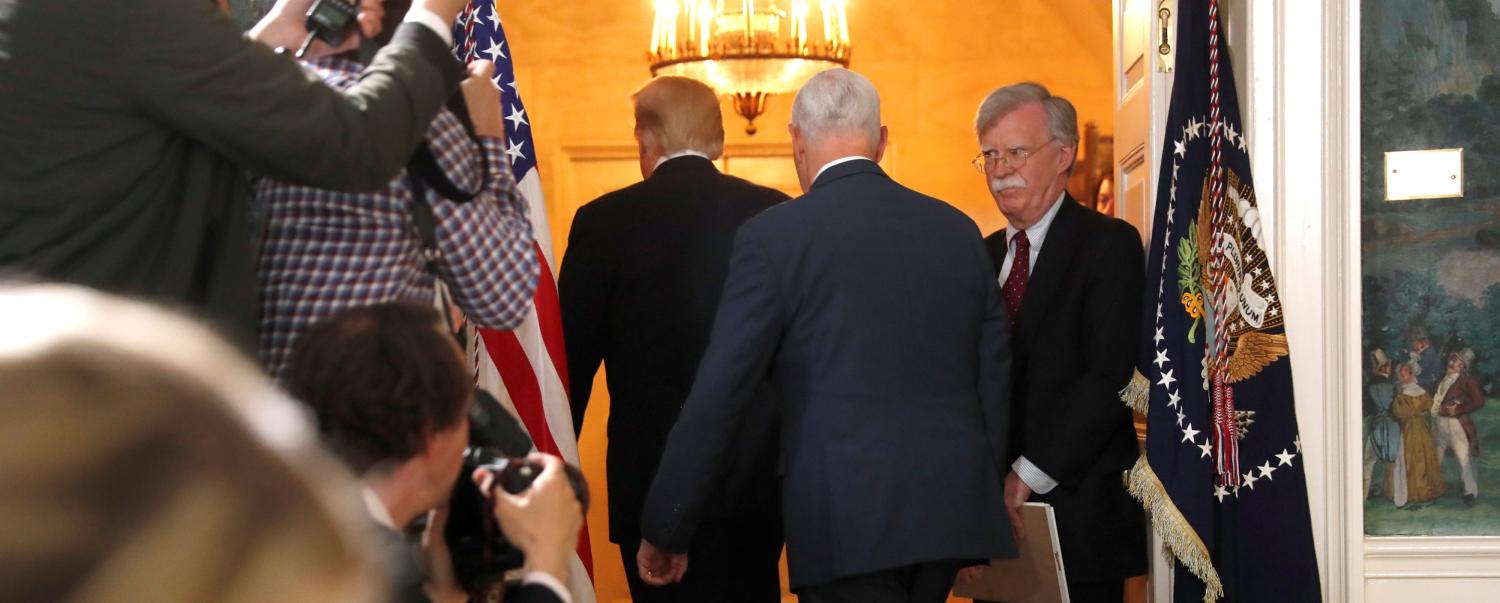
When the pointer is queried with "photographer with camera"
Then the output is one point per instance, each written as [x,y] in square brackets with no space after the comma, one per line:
[129,127]
[453,223]
[393,396]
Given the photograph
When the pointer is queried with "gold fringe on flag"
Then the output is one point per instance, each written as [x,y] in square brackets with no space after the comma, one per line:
[1178,536]
[1136,392]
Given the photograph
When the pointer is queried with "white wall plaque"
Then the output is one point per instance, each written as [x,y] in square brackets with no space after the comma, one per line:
[1427,174]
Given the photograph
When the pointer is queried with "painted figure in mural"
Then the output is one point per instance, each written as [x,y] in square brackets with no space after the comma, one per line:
[1416,477]
[1429,361]
[1457,396]
[1382,432]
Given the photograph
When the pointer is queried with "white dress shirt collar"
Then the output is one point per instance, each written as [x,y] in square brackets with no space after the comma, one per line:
[377,509]
[1037,232]
[836,162]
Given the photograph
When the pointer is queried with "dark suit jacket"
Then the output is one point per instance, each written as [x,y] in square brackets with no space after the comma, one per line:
[123,160]
[1075,348]
[875,312]
[639,285]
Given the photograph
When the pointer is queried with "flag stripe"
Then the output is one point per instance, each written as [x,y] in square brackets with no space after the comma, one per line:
[521,383]
[527,368]
[549,319]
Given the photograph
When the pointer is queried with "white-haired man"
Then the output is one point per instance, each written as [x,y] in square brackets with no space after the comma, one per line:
[1072,282]
[874,310]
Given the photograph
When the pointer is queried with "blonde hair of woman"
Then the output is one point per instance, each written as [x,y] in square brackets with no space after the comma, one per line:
[143,459]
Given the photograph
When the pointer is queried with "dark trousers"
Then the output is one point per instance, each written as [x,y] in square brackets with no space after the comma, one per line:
[1104,591]
[920,583]
[736,561]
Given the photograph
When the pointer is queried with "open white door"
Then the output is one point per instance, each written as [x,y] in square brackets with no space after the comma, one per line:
[1144,34]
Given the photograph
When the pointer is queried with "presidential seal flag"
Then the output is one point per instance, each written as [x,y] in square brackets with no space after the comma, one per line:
[1222,475]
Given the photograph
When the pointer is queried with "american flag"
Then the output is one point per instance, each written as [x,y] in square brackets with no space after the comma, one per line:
[526,369]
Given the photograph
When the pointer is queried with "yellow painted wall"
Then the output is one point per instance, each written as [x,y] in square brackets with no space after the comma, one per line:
[932,61]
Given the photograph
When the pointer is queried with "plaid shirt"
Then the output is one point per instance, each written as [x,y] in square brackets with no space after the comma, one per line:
[325,251]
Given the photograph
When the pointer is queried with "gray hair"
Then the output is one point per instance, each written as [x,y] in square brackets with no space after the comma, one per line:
[838,101]
[1062,118]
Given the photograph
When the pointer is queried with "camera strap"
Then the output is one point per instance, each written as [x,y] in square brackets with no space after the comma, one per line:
[426,223]
[422,171]
[424,166]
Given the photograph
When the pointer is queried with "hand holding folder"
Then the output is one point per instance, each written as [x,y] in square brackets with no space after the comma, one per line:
[1035,576]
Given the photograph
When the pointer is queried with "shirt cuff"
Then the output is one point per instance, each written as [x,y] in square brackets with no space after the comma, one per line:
[430,20]
[1035,478]
[549,582]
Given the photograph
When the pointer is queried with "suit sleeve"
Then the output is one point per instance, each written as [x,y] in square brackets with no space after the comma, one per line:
[994,368]
[583,286]
[747,330]
[1085,416]
[187,65]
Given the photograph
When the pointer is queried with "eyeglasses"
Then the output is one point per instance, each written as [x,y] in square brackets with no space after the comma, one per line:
[1013,158]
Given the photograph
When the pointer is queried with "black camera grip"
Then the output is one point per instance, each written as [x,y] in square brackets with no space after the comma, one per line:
[330,20]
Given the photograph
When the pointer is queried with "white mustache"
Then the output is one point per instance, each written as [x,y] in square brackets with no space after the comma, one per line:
[999,185]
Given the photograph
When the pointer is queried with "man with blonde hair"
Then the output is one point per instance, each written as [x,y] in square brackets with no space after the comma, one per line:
[873,310]
[638,288]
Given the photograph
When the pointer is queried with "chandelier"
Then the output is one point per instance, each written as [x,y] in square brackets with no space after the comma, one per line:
[749,49]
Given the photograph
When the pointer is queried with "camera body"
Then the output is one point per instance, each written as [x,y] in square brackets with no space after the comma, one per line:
[481,554]
[330,20]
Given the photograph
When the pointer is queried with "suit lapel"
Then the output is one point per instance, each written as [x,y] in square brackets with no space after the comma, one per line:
[1057,252]
[996,245]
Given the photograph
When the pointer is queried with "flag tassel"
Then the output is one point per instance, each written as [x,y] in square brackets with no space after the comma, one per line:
[1137,393]
[1176,533]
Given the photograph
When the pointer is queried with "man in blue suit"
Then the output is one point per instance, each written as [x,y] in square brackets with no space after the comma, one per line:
[875,312]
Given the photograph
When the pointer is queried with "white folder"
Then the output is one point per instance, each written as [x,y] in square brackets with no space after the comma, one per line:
[1036,576]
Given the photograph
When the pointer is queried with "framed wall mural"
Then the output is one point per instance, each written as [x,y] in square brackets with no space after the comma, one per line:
[1431,271]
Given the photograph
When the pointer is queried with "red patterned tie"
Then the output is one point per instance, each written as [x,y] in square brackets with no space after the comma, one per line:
[1014,289]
